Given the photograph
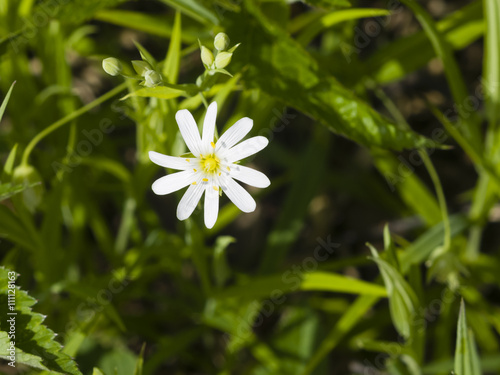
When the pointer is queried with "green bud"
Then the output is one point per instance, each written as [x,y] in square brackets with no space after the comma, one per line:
[207,56]
[223,59]
[112,66]
[152,78]
[141,67]
[221,42]
[28,176]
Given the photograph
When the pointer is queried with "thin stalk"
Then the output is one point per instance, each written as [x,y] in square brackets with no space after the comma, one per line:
[56,125]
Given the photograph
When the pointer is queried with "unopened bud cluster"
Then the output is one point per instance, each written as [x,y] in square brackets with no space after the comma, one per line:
[222,56]
[150,76]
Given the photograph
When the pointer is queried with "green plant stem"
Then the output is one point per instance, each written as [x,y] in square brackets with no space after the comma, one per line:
[427,162]
[56,125]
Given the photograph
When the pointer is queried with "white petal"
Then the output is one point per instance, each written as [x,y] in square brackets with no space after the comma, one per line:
[172,182]
[189,131]
[209,128]
[246,148]
[189,201]
[167,161]
[249,176]
[239,196]
[211,206]
[234,134]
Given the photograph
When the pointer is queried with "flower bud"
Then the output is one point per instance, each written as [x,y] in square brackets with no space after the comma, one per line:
[112,66]
[28,176]
[221,42]
[152,78]
[207,56]
[141,67]
[223,59]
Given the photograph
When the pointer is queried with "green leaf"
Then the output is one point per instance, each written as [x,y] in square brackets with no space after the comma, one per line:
[328,3]
[333,18]
[453,75]
[466,357]
[12,229]
[6,100]
[173,60]
[422,248]
[289,281]
[307,179]
[161,92]
[344,325]
[155,25]
[34,342]
[221,269]
[491,75]
[401,178]
[402,299]
[9,163]
[195,10]
[8,190]
[284,70]
[410,53]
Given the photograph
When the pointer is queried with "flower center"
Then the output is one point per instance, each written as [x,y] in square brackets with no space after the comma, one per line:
[210,164]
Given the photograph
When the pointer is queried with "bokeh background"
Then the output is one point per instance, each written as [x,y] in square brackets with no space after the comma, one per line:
[383,123]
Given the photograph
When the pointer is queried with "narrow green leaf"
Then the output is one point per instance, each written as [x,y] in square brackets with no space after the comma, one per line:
[195,10]
[402,299]
[335,17]
[265,287]
[220,267]
[6,100]
[422,248]
[466,357]
[347,322]
[302,84]
[453,75]
[173,60]
[328,3]
[491,75]
[161,92]
[9,163]
[410,53]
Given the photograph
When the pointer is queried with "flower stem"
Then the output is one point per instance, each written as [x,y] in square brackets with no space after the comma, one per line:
[56,125]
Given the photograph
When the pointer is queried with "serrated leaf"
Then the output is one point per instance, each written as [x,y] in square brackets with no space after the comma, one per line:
[283,69]
[34,342]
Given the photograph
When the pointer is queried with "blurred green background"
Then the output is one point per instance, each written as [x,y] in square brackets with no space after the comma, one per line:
[383,120]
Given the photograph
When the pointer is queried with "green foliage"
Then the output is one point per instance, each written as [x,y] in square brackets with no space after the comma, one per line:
[34,342]
[373,116]
[466,357]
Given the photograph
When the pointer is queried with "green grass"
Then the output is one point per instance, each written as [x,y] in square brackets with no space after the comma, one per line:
[109,281]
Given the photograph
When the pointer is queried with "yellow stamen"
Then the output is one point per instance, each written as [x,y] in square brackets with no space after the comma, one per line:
[194,170]
[194,183]
[205,179]
[213,144]
[216,188]
[188,160]
[220,173]
[228,169]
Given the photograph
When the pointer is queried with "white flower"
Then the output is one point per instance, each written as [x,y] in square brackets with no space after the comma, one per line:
[213,167]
